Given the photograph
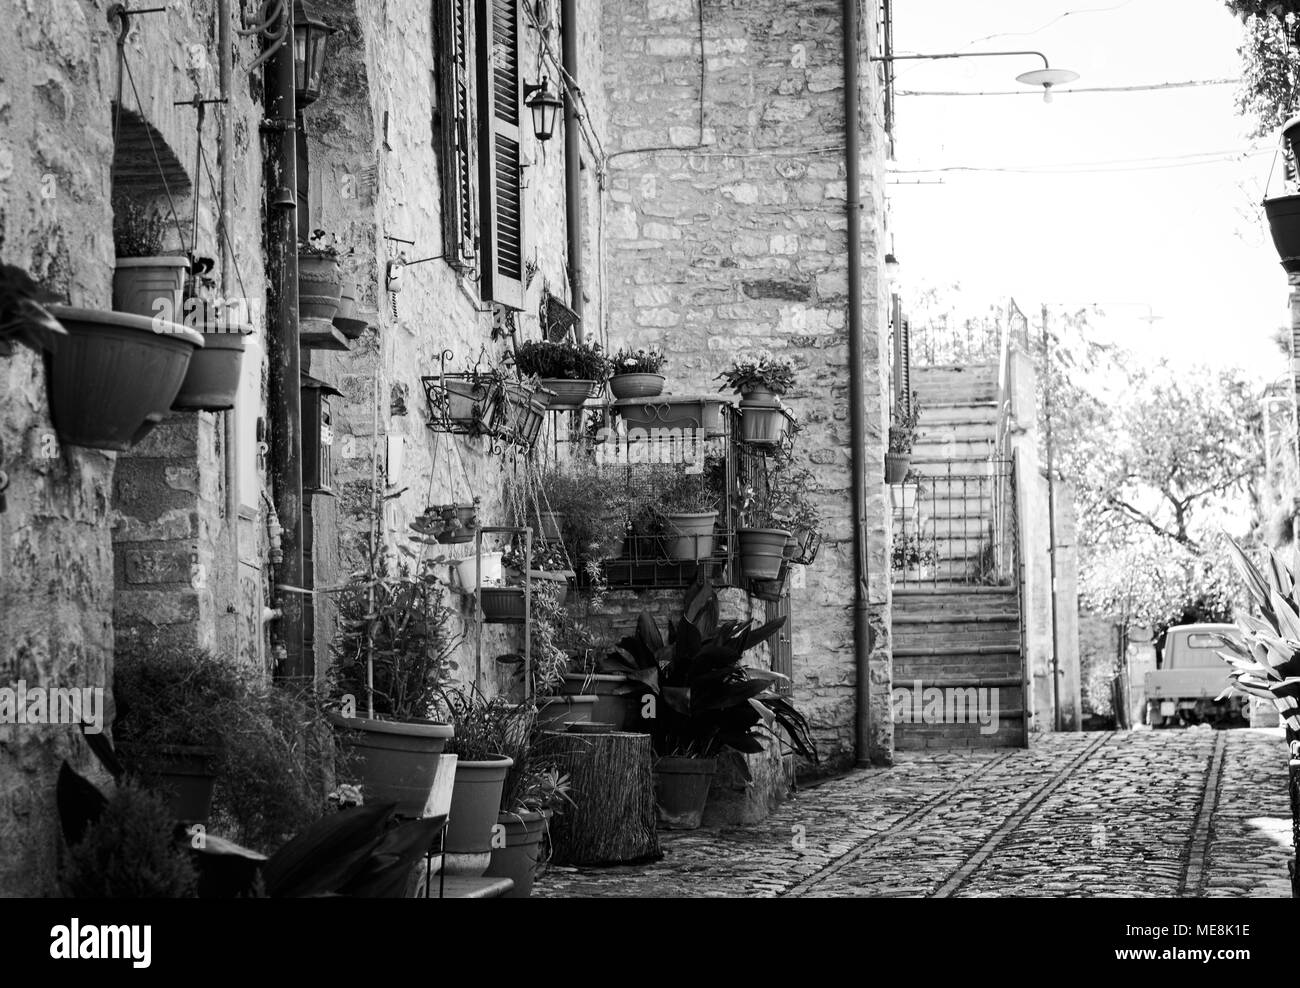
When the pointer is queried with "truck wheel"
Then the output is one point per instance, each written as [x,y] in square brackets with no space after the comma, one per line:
[1153,718]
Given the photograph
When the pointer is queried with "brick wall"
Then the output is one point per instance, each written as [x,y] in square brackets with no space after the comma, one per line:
[741,245]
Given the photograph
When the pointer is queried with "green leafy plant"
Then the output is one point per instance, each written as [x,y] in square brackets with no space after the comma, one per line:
[566,360]
[127,851]
[592,506]
[902,433]
[706,700]
[639,361]
[557,638]
[762,371]
[791,489]
[23,317]
[273,753]
[402,624]
[912,552]
[138,228]
[322,244]
[484,726]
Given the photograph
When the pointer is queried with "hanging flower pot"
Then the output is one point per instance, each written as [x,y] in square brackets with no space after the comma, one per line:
[690,535]
[896,467]
[212,380]
[467,401]
[762,552]
[346,318]
[320,286]
[115,376]
[763,425]
[569,395]
[150,286]
[637,385]
[1283,214]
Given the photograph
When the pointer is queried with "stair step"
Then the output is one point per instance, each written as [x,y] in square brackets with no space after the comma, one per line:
[961,682]
[972,651]
[979,592]
[957,617]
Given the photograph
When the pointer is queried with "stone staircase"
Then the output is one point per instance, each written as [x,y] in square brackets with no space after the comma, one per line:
[958,667]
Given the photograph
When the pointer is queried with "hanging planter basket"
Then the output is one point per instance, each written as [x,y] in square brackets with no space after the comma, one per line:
[1283,214]
[764,425]
[569,395]
[639,385]
[461,404]
[762,552]
[347,319]
[520,412]
[502,605]
[115,376]
[212,380]
[150,286]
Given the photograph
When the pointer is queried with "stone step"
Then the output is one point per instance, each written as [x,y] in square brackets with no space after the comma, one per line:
[957,653]
[959,450]
[955,382]
[956,618]
[955,600]
[960,429]
[934,413]
[944,636]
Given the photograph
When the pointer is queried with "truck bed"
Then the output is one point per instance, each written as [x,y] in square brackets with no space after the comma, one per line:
[1186,684]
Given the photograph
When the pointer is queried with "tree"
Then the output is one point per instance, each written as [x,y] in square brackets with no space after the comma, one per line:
[1270,61]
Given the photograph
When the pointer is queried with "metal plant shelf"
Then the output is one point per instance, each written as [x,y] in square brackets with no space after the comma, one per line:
[650,562]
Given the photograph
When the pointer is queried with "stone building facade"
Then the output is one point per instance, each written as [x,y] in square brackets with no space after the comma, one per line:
[713,222]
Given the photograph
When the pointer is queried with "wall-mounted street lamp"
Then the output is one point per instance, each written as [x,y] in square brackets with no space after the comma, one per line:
[545,107]
[1047,77]
[892,267]
[309,37]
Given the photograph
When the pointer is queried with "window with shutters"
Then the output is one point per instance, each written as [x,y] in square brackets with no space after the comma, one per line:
[902,355]
[456,134]
[501,202]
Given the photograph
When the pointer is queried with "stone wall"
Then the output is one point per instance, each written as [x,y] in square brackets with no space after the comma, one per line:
[740,244]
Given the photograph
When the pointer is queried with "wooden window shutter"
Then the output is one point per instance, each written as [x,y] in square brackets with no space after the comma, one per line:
[458,147]
[500,150]
[902,356]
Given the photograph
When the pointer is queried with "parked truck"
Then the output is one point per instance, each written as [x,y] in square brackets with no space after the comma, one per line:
[1184,688]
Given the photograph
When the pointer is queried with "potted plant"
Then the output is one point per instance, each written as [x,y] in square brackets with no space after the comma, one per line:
[688,510]
[212,379]
[519,412]
[576,507]
[115,375]
[635,373]
[762,535]
[449,524]
[346,317]
[1283,212]
[913,556]
[534,791]
[320,278]
[792,506]
[393,653]
[548,565]
[24,317]
[146,282]
[484,730]
[462,402]
[707,701]
[902,436]
[571,371]
[761,381]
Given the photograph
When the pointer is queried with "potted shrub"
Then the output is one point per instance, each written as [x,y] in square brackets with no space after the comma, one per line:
[449,524]
[484,730]
[707,701]
[583,513]
[320,278]
[535,790]
[913,557]
[212,379]
[792,506]
[115,376]
[549,566]
[572,371]
[688,510]
[393,654]
[760,382]
[146,282]
[462,402]
[635,373]
[902,436]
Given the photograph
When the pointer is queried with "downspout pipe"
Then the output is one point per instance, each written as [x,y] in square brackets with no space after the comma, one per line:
[225,63]
[285,385]
[862,634]
[572,150]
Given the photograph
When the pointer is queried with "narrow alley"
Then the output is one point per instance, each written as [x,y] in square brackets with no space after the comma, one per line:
[1137,814]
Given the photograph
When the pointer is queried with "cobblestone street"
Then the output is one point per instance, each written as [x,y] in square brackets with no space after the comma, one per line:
[1139,814]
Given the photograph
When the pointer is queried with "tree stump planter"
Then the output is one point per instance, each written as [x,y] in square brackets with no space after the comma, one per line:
[614,821]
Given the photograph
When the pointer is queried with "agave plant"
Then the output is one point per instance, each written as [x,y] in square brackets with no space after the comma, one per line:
[705,699]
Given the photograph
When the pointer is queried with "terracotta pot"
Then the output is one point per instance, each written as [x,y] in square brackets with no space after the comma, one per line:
[150,286]
[757,396]
[638,385]
[618,698]
[554,713]
[475,803]
[184,774]
[320,287]
[690,535]
[896,467]
[762,551]
[762,425]
[682,790]
[397,761]
[568,395]
[549,526]
[518,859]
[115,376]
[212,380]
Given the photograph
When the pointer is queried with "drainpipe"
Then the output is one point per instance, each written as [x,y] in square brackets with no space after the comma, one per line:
[572,151]
[285,405]
[225,60]
[862,634]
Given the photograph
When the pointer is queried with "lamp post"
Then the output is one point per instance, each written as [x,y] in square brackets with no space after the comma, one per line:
[1047,77]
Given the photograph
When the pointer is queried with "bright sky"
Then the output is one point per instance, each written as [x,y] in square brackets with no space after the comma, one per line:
[1189,241]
